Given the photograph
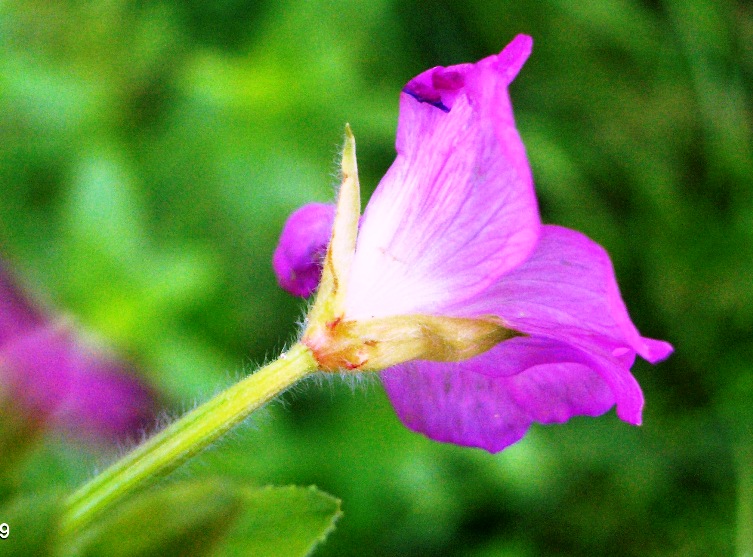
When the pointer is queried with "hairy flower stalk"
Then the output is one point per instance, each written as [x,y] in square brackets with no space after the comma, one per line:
[185,438]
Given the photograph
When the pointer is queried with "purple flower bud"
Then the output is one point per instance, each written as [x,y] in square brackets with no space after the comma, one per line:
[297,261]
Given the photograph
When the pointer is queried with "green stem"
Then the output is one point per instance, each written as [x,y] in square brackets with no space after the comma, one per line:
[183,439]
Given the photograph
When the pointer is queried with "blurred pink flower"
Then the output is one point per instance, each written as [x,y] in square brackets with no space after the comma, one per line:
[453,229]
[55,380]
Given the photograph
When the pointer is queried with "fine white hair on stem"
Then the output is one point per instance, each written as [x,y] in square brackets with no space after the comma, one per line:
[165,417]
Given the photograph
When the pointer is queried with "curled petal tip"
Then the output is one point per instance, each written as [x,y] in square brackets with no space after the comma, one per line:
[632,417]
[514,55]
[630,401]
[657,350]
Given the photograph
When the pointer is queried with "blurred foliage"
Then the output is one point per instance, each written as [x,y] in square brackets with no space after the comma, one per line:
[211,517]
[32,524]
[150,151]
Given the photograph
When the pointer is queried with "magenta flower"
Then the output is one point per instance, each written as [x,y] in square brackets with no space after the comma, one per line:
[51,377]
[297,261]
[453,232]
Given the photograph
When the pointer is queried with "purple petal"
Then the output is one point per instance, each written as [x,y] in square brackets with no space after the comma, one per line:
[456,209]
[491,400]
[297,261]
[567,290]
[55,379]
[447,404]
[107,407]
[17,314]
[105,400]
[37,370]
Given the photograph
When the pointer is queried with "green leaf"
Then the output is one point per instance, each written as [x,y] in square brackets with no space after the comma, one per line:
[186,518]
[212,517]
[32,525]
[285,521]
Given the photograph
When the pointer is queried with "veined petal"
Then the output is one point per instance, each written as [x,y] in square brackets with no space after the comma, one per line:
[457,208]
[491,400]
[567,290]
[36,370]
[299,256]
[446,404]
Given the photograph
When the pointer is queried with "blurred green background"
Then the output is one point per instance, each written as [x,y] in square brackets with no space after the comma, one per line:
[151,150]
